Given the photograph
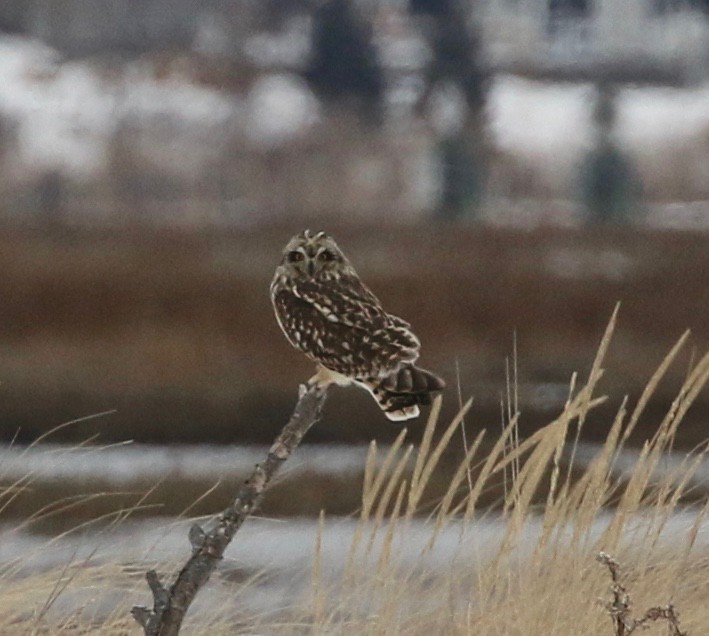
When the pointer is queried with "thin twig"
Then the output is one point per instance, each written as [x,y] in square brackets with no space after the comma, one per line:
[170,604]
[619,608]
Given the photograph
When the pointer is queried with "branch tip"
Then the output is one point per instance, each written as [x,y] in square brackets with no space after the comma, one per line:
[142,615]
[157,588]
[197,536]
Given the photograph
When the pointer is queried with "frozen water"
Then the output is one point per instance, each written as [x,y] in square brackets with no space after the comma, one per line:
[127,462]
[269,566]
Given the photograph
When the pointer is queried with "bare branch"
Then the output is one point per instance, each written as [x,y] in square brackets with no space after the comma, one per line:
[208,545]
[666,612]
[619,608]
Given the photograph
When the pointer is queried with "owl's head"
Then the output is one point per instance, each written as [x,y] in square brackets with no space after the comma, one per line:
[314,255]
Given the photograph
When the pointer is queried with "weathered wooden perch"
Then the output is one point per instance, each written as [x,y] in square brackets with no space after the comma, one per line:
[170,604]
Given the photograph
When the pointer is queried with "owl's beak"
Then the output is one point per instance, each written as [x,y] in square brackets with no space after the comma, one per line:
[311,267]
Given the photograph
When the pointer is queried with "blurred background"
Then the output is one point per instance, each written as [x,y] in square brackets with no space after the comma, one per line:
[500,172]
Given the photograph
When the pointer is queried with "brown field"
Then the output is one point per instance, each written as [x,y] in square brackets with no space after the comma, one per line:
[174,330]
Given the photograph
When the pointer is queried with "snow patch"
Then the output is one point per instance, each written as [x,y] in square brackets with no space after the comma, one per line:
[279,107]
[66,113]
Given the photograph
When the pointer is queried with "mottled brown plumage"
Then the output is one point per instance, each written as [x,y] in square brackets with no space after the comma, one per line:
[327,312]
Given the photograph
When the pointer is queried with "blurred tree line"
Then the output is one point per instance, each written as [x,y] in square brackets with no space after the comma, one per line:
[344,70]
[610,189]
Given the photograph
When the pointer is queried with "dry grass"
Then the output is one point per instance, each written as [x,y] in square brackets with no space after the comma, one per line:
[539,576]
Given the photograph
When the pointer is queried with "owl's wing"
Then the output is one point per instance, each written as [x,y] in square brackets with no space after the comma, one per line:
[353,291]
[345,333]
[349,302]
[358,292]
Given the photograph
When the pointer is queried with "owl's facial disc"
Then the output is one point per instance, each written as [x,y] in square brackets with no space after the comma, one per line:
[313,254]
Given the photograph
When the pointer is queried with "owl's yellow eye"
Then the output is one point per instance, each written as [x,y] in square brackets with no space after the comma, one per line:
[327,255]
[295,256]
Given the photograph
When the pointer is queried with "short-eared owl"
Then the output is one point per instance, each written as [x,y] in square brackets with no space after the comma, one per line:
[327,312]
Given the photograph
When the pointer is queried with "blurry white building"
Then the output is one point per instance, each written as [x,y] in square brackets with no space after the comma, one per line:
[658,41]
[661,41]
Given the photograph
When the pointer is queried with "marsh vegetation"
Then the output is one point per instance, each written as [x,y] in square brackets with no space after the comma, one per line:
[416,559]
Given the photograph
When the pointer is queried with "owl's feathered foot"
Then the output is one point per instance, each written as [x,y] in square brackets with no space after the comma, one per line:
[325,377]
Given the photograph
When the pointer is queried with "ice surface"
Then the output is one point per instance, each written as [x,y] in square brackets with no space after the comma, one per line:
[269,566]
[124,463]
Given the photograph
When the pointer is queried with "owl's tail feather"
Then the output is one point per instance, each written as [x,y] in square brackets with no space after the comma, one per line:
[400,393]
